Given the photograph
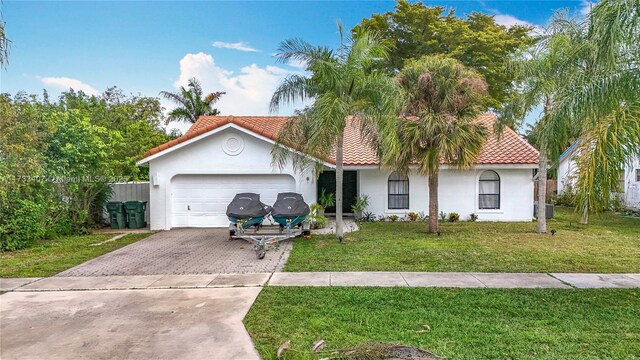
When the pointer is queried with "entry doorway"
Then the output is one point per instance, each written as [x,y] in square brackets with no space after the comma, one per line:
[327,181]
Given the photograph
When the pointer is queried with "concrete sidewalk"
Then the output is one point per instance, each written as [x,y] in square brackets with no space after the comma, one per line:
[134,282]
[406,279]
[458,280]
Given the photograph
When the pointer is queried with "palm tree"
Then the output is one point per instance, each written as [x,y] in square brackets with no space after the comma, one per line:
[191,103]
[603,101]
[444,100]
[541,72]
[4,44]
[344,90]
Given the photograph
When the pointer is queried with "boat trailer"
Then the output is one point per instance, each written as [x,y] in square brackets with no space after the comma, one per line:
[262,237]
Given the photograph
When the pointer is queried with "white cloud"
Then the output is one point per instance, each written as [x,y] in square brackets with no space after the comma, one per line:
[247,92]
[586,7]
[298,64]
[509,21]
[241,46]
[65,83]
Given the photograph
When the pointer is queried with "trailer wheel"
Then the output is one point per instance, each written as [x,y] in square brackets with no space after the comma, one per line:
[261,249]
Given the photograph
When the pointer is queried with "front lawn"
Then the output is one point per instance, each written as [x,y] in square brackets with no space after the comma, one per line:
[455,323]
[611,244]
[50,257]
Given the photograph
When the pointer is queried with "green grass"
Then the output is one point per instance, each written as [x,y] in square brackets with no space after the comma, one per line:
[464,323]
[49,257]
[610,244]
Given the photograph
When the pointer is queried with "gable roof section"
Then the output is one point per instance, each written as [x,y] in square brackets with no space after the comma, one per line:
[569,150]
[510,148]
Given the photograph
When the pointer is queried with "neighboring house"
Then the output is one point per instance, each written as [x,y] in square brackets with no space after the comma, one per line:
[194,177]
[629,183]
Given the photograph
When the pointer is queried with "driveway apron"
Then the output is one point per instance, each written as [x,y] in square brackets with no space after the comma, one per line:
[183,252]
[127,324]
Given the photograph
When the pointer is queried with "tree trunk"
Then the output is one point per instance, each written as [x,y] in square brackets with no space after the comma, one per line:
[434,226]
[584,216]
[542,191]
[339,165]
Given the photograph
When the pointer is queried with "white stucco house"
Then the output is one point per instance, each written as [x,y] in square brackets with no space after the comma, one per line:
[629,183]
[194,177]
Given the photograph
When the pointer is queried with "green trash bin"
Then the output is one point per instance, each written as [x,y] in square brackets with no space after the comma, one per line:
[117,216]
[135,214]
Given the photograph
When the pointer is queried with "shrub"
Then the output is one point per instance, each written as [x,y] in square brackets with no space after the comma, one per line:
[368,216]
[393,218]
[317,221]
[454,216]
[23,225]
[473,217]
[443,216]
[567,198]
[361,203]
[413,216]
[617,203]
[422,217]
[326,199]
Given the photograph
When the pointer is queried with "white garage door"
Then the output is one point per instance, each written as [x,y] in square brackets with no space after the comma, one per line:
[201,200]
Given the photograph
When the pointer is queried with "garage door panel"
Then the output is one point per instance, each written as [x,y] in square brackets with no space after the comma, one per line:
[201,200]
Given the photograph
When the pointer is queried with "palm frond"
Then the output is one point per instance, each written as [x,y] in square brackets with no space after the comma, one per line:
[292,88]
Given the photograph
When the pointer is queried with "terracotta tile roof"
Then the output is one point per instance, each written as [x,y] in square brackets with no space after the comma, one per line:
[509,149]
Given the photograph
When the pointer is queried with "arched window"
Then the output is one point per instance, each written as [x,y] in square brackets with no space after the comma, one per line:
[398,188]
[489,194]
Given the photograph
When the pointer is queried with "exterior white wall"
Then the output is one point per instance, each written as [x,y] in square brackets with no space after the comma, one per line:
[567,171]
[207,156]
[566,174]
[458,192]
[632,185]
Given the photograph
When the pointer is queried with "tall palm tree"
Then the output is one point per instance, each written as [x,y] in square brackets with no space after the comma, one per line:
[603,101]
[344,91]
[541,71]
[439,123]
[4,44]
[191,102]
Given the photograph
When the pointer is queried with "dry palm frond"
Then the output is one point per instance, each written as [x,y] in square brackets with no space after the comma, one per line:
[381,352]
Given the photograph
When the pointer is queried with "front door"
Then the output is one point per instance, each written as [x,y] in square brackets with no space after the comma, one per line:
[327,181]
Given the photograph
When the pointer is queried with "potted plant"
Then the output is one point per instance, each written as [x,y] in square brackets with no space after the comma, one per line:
[325,200]
[361,205]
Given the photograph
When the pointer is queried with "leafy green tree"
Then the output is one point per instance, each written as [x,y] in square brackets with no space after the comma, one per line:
[414,30]
[343,88]
[602,100]
[57,158]
[137,119]
[78,152]
[439,124]
[191,102]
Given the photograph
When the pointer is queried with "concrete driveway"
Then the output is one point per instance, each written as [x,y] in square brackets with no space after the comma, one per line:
[121,324]
[185,251]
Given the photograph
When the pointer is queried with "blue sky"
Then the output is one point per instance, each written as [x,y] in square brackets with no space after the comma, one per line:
[146,47]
